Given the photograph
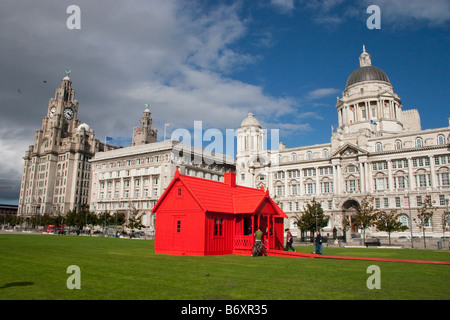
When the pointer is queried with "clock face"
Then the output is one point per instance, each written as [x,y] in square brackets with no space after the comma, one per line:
[68,113]
[52,112]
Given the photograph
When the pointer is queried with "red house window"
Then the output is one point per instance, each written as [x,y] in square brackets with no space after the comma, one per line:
[218,227]
[178,226]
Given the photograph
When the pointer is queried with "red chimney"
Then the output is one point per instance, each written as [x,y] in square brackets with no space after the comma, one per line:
[230,179]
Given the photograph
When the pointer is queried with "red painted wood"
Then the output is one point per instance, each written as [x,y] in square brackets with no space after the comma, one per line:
[202,217]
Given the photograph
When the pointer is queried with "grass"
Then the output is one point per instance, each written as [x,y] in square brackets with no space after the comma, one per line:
[34,267]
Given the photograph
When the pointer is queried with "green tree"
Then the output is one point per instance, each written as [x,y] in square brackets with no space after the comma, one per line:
[116,219]
[312,217]
[424,216]
[389,222]
[134,220]
[365,214]
[80,219]
[345,224]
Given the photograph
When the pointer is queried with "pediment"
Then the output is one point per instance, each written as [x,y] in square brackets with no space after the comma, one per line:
[349,150]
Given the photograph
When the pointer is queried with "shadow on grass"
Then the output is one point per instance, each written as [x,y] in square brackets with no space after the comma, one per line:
[16,284]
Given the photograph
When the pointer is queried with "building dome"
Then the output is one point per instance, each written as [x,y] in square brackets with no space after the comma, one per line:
[367,73]
[83,126]
[250,121]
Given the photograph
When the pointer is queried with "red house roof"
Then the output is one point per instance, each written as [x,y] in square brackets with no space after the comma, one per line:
[223,197]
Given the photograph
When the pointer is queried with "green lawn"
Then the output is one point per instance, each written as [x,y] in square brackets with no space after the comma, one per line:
[34,267]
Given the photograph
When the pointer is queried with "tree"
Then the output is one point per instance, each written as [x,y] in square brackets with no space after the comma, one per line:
[365,214]
[424,216]
[134,220]
[389,222]
[312,217]
[80,218]
[116,219]
[345,224]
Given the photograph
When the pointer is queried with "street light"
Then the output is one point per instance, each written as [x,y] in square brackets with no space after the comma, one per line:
[447,216]
[410,220]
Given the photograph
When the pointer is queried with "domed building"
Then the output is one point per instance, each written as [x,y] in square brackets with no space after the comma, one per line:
[378,149]
[369,102]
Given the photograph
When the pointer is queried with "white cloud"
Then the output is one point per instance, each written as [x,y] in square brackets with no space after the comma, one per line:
[283,5]
[218,101]
[177,56]
[406,12]
[321,93]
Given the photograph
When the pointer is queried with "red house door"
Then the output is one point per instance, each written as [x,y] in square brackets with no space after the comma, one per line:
[179,231]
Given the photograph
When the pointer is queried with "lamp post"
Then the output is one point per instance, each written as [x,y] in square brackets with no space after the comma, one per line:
[410,221]
[447,216]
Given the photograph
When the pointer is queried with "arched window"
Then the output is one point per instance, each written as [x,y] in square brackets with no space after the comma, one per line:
[309,155]
[419,142]
[325,153]
[293,223]
[294,157]
[378,147]
[398,145]
[440,139]
[404,220]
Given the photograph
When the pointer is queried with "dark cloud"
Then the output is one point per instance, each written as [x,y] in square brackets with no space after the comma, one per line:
[173,55]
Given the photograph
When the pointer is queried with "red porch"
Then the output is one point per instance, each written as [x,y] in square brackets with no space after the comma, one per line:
[246,226]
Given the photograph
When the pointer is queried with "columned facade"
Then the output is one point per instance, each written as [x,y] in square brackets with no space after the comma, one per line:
[377,149]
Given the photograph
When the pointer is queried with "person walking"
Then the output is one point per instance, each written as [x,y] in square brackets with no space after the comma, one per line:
[289,241]
[319,249]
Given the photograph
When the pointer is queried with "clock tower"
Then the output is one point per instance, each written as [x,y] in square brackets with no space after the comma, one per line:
[63,109]
[57,172]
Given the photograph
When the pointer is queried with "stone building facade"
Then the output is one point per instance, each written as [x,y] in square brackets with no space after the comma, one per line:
[57,173]
[135,177]
[377,149]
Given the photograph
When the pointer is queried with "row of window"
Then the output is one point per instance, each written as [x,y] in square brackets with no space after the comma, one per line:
[352,184]
[125,205]
[380,203]
[127,194]
[418,143]
[294,206]
[309,172]
[308,188]
[398,145]
[127,183]
[376,166]
[147,160]
[309,156]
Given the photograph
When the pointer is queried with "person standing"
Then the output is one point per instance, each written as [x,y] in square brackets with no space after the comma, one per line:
[289,241]
[319,249]
[258,235]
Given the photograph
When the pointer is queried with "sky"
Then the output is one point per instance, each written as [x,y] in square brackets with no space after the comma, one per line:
[286,61]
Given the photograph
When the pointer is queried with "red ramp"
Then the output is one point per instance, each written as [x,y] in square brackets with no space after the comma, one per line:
[280,253]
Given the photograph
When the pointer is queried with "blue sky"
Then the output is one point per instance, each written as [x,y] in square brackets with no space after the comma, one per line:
[215,61]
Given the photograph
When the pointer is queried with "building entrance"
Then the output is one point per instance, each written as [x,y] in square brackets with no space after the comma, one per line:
[349,209]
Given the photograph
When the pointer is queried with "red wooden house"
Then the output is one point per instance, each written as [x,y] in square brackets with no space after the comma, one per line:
[196,216]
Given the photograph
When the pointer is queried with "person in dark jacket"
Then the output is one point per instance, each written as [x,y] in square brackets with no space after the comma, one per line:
[318,241]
